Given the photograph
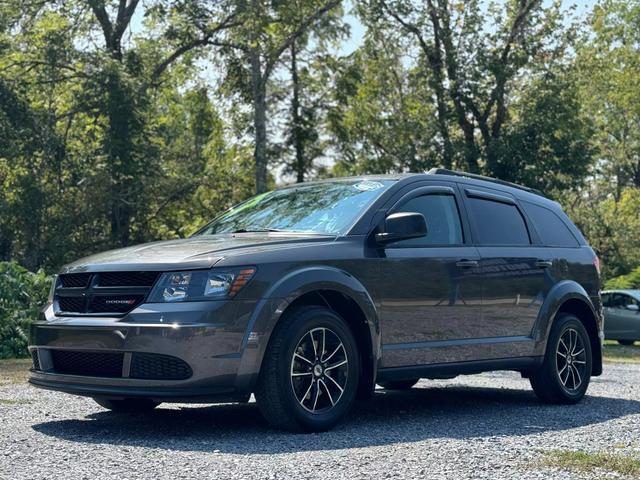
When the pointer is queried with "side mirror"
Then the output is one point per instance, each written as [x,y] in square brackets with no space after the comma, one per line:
[632,307]
[402,226]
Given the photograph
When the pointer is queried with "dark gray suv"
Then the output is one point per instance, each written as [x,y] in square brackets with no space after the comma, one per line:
[310,295]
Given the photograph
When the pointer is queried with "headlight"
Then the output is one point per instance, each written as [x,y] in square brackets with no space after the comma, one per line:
[200,285]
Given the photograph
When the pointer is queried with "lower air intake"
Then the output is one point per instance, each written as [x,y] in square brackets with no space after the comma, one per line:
[151,366]
[92,364]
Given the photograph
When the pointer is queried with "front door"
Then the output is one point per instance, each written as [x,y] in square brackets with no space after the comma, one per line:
[432,288]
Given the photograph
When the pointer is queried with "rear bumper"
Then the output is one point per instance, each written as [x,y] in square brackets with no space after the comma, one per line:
[208,337]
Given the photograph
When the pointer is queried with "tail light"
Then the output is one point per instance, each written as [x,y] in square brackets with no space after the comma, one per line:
[596,263]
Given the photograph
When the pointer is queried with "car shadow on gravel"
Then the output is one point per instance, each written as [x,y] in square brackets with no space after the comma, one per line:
[388,418]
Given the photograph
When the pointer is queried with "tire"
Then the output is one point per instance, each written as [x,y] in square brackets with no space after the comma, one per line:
[626,343]
[568,352]
[282,393]
[128,405]
[399,384]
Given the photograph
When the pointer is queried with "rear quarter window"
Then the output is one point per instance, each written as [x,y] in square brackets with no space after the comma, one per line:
[551,228]
[498,223]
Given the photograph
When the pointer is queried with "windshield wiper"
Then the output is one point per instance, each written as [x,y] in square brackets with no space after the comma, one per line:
[258,230]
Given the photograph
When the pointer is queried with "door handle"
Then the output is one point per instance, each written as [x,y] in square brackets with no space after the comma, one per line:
[466,263]
[544,263]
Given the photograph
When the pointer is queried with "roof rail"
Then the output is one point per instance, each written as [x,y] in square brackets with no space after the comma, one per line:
[455,173]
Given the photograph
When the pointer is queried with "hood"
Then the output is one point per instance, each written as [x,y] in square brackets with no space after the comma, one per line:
[189,253]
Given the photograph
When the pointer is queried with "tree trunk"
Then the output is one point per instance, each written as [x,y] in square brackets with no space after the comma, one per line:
[119,148]
[259,121]
[295,111]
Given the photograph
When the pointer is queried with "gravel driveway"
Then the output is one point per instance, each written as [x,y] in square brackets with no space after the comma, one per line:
[485,426]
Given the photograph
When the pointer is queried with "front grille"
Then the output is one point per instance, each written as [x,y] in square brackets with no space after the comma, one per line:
[102,293]
[152,366]
[93,364]
[71,304]
[36,359]
[127,279]
[75,280]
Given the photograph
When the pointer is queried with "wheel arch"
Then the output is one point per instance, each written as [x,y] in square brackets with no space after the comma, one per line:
[315,285]
[570,297]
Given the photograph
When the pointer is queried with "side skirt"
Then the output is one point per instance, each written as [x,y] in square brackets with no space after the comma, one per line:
[450,370]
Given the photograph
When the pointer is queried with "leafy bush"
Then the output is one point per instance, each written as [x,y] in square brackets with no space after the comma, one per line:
[22,294]
[630,280]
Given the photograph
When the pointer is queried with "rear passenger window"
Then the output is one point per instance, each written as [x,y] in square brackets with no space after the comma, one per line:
[441,215]
[553,231]
[498,223]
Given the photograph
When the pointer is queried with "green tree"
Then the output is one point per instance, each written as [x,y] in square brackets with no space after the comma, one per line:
[379,121]
[611,226]
[86,97]
[22,294]
[545,144]
[473,57]
[255,49]
[609,69]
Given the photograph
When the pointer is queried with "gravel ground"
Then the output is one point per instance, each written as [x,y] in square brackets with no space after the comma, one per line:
[484,426]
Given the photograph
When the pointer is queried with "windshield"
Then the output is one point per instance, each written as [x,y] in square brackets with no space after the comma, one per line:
[323,208]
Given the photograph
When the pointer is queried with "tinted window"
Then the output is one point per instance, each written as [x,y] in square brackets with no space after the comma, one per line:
[443,220]
[498,223]
[553,231]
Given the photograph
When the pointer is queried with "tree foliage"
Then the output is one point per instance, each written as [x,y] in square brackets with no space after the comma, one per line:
[23,294]
[124,121]
[625,282]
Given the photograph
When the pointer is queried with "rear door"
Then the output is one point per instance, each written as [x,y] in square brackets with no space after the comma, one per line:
[515,272]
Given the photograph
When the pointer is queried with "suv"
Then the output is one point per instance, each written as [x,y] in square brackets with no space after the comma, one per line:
[310,295]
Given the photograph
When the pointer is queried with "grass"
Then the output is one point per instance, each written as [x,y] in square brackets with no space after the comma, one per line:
[4,401]
[592,462]
[14,370]
[616,353]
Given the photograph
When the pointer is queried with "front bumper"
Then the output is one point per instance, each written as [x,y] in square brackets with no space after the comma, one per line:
[206,336]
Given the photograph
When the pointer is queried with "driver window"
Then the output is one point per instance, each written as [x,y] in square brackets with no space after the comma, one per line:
[621,301]
[617,301]
[443,220]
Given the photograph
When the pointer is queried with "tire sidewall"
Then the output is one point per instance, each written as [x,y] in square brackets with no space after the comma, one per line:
[563,324]
[307,320]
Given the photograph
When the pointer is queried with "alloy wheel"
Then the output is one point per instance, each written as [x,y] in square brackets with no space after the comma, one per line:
[319,369]
[571,360]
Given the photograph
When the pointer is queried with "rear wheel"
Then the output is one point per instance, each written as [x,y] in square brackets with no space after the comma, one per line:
[399,384]
[130,405]
[627,343]
[309,377]
[566,371]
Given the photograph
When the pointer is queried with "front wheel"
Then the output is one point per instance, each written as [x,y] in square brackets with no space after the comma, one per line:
[128,405]
[309,377]
[565,374]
